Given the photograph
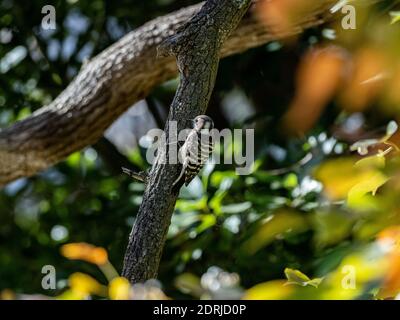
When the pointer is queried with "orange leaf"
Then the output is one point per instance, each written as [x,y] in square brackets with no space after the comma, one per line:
[86,252]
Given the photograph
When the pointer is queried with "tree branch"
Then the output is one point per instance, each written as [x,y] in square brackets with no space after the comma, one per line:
[197,49]
[108,85]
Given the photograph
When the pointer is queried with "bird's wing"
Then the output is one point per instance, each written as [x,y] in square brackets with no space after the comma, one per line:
[199,152]
[183,159]
[183,155]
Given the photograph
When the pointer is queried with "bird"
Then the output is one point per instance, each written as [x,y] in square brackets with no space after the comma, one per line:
[196,149]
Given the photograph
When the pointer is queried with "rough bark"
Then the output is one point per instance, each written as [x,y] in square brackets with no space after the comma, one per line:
[196,48]
[114,80]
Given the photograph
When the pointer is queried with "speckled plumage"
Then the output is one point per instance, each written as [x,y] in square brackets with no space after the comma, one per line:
[196,149]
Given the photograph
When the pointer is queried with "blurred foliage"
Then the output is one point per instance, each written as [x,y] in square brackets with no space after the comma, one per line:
[319,211]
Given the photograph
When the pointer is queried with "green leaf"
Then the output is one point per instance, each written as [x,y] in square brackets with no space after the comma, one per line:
[191,205]
[236,207]
[298,278]
[395,16]
[331,227]
[290,181]
[207,221]
[74,159]
[219,178]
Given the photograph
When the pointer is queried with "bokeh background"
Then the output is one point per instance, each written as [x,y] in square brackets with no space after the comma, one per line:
[321,204]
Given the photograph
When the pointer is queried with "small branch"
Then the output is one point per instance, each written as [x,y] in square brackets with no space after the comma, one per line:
[141,176]
[196,47]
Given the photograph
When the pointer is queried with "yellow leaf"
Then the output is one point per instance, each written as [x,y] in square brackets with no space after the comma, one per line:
[376,161]
[119,289]
[370,184]
[395,16]
[72,295]
[345,178]
[85,285]
[295,276]
[366,266]
[338,177]
[271,290]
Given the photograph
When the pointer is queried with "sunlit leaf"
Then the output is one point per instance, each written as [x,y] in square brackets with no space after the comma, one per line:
[207,221]
[271,290]
[290,181]
[86,252]
[218,177]
[191,205]
[85,285]
[375,161]
[338,177]
[395,15]
[71,295]
[297,277]
[119,289]
[357,274]
[370,184]
[74,159]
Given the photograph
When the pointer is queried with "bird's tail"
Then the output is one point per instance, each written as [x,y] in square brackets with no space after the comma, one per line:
[181,175]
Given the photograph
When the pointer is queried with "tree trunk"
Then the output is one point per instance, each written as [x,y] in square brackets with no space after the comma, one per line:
[197,49]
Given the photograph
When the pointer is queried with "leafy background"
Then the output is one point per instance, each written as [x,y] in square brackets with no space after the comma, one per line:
[322,195]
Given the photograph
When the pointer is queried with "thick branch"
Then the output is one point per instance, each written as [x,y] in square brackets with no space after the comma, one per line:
[196,48]
[114,80]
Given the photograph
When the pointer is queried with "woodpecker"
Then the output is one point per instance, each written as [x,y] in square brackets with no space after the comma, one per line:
[196,149]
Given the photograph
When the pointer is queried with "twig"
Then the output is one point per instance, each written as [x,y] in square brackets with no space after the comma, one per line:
[141,176]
